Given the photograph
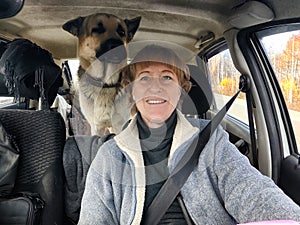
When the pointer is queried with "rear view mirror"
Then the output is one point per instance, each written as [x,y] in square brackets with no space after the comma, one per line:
[9,8]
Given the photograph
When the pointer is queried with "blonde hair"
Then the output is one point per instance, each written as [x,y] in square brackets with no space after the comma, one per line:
[156,53]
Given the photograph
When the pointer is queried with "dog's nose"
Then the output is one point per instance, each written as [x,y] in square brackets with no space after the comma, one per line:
[112,51]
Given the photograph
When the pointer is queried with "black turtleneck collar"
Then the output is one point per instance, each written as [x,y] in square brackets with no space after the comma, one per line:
[157,134]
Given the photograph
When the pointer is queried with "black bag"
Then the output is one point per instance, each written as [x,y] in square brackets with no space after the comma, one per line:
[9,158]
[21,209]
[30,71]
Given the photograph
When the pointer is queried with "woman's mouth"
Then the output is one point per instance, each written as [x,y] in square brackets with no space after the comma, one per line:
[155,101]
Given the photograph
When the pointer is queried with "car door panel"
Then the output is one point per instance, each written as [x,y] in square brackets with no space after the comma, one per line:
[289,180]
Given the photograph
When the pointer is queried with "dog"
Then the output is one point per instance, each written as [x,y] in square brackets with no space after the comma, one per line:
[102,52]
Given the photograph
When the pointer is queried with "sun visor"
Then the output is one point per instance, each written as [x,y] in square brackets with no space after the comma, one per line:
[250,13]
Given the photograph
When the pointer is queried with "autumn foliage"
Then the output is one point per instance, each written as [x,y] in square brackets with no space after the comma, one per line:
[285,63]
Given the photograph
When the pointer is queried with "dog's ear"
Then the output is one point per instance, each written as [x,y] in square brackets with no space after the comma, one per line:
[132,26]
[74,26]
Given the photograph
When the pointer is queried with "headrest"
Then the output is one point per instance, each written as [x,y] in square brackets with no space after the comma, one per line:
[200,96]
[30,71]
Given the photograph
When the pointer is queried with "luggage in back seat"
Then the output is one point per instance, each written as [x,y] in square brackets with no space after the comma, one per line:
[40,136]
[29,71]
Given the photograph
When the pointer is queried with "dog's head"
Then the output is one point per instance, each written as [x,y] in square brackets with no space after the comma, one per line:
[98,34]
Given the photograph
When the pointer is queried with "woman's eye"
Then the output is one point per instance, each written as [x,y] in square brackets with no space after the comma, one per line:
[144,78]
[167,77]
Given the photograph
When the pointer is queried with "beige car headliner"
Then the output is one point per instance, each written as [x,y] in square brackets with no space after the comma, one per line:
[183,22]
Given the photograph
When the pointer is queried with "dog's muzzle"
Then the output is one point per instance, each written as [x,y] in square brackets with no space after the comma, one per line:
[112,51]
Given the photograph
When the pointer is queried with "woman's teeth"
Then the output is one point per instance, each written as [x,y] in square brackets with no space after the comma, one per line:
[155,101]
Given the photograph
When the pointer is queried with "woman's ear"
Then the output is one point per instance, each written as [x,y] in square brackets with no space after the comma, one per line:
[183,95]
[186,86]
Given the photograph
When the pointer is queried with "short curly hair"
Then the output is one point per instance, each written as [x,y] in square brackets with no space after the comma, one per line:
[155,53]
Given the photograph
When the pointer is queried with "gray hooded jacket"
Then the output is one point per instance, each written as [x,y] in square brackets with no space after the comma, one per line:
[223,189]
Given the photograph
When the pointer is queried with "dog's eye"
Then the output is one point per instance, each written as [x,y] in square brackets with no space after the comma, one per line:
[121,31]
[99,29]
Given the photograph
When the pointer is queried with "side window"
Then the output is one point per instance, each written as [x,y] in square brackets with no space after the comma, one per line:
[6,101]
[225,83]
[74,64]
[283,50]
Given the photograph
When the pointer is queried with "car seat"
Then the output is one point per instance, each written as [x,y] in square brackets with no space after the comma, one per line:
[200,97]
[40,136]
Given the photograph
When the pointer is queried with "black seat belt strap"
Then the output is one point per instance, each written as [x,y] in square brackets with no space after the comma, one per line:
[184,211]
[252,128]
[186,165]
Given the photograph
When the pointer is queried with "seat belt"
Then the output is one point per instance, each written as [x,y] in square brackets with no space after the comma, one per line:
[186,165]
[252,128]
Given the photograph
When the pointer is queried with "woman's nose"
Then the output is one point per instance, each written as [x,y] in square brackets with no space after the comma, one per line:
[155,83]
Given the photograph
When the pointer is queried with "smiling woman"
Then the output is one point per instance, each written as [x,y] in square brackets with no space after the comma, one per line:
[156,92]
[158,75]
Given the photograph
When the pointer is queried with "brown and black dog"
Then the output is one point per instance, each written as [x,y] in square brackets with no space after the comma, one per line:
[102,51]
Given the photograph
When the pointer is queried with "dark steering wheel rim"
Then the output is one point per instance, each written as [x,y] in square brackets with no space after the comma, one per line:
[9,8]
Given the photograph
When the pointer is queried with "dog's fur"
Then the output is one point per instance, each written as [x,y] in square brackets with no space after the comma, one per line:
[102,41]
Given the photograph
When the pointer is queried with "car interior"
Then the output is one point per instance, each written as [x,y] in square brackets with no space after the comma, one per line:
[260,122]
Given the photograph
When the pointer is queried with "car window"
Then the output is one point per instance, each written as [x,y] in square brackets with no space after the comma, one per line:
[6,101]
[225,83]
[283,50]
[74,64]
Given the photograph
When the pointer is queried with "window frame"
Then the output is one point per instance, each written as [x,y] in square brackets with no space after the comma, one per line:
[263,76]
[284,112]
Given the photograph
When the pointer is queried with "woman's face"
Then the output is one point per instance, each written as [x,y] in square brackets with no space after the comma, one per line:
[156,92]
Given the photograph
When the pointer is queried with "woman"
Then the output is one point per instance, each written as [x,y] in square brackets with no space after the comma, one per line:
[129,170]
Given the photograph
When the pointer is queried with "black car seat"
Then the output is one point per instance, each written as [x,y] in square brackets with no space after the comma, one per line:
[29,71]
[200,97]
[40,136]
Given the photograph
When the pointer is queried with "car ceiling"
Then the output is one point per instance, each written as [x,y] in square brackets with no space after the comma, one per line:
[182,21]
